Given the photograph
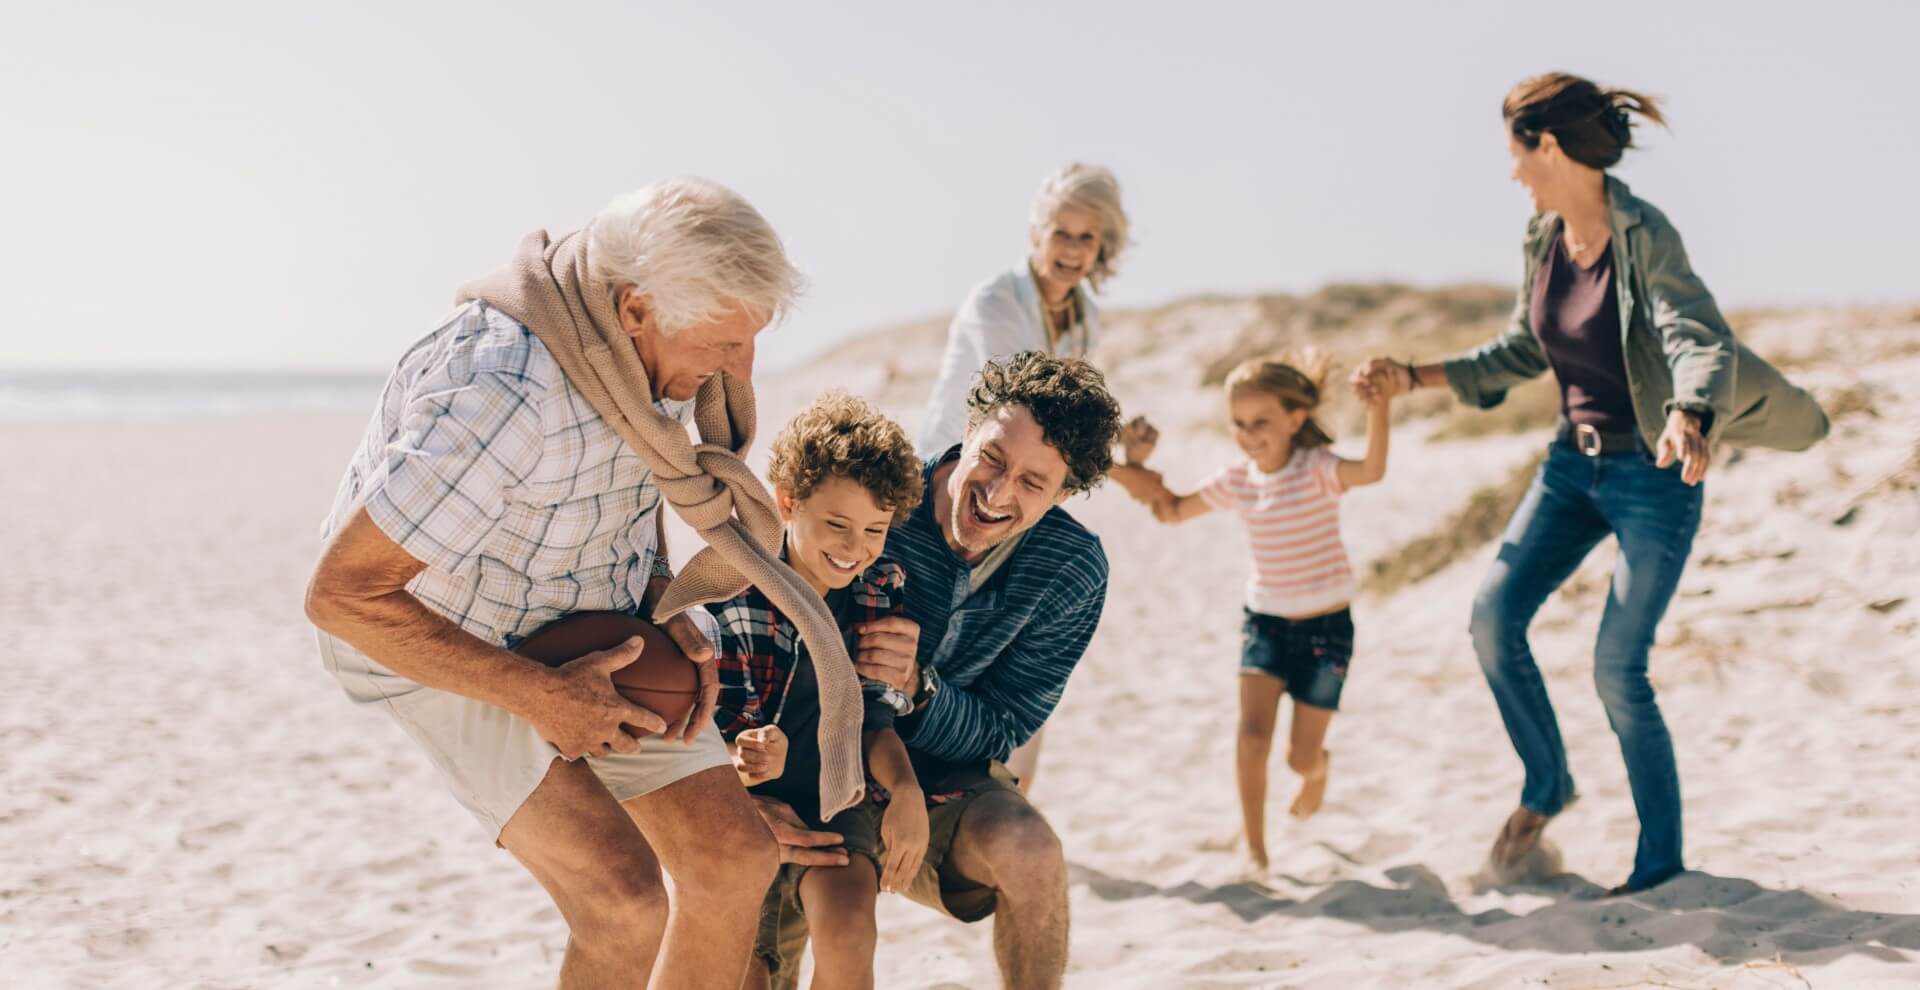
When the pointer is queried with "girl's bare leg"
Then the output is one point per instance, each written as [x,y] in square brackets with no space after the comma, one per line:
[1307,755]
[1259,706]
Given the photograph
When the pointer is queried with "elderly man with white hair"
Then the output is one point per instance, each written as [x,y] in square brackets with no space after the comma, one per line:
[513,473]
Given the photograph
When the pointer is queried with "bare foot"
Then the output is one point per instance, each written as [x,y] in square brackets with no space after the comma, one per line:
[1518,837]
[1313,789]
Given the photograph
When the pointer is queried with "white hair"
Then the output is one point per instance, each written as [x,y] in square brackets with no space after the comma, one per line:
[695,249]
[1090,188]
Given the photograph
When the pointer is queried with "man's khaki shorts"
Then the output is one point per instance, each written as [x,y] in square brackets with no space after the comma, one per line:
[492,760]
[783,926]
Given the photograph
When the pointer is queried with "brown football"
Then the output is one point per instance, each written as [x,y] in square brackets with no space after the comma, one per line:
[662,680]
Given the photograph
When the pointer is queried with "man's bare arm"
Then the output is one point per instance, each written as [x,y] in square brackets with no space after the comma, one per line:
[358,594]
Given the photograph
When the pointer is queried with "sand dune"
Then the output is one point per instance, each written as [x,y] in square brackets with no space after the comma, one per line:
[190,802]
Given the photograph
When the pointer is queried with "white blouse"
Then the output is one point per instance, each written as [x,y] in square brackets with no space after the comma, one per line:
[1000,318]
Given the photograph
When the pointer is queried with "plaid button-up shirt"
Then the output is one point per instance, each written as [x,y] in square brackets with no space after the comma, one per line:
[760,648]
[486,465]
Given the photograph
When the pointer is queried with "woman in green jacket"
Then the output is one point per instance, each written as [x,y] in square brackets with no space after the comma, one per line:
[1650,378]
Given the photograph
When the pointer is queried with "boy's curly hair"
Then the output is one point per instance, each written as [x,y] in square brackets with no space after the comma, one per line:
[843,436]
[1067,397]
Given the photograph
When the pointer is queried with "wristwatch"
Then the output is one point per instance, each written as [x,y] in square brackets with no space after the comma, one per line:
[929,686]
[661,568]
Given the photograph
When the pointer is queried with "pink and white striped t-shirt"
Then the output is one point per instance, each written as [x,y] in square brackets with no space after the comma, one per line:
[1300,566]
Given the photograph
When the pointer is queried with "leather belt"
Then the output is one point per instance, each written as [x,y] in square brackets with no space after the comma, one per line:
[1593,443]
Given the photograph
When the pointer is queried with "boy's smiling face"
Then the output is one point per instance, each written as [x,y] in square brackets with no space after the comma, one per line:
[835,533]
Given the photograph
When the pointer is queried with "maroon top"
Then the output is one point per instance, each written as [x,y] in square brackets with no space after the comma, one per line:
[1576,315]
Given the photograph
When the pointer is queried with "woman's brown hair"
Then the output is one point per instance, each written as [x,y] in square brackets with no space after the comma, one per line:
[1294,379]
[1590,123]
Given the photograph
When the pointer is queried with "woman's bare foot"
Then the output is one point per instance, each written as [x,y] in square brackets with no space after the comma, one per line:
[1518,837]
[1313,789]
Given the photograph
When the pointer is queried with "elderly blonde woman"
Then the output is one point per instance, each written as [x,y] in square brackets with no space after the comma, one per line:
[1078,230]
[514,472]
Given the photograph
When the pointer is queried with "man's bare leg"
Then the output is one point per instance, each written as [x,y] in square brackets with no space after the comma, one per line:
[575,839]
[1307,755]
[722,859]
[1024,763]
[1259,705]
[1003,843]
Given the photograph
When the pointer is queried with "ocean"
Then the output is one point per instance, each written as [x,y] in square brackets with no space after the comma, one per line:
[39,396]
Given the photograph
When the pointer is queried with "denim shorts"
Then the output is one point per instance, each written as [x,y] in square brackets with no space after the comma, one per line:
[1309,655]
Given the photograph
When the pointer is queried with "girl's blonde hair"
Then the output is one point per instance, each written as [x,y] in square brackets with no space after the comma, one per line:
[1296,379]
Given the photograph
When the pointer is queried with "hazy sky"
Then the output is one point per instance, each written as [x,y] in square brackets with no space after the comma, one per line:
[264,185]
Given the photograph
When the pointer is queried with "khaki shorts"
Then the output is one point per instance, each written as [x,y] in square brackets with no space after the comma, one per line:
[492,760]
[783,924]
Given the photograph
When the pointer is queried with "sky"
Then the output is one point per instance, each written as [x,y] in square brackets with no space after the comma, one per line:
[253,185]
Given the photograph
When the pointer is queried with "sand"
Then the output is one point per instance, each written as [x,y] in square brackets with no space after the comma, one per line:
[189,801]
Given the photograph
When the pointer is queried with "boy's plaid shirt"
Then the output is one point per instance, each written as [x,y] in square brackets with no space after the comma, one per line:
[760,648]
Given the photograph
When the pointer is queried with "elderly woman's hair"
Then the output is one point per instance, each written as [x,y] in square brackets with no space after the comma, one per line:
[1296,380]
[1590,123]
[1094,189]
[1068,398]
[695,249]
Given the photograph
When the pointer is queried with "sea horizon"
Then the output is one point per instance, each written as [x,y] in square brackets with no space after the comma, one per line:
[65,394]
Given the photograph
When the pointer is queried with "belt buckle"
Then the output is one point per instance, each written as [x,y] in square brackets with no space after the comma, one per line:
[1586,439]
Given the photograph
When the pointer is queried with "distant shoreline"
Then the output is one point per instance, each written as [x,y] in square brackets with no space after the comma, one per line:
[64,395]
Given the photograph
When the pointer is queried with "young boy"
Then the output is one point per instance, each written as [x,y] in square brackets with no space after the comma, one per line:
[842,474]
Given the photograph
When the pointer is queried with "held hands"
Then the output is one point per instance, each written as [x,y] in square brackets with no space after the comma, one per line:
[1683,441]
[760,754]
[903,829]
[1378,381]
[581,713]
[1137,440]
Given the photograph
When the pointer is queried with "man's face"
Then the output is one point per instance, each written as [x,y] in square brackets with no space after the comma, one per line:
[1007,477]
[679,364]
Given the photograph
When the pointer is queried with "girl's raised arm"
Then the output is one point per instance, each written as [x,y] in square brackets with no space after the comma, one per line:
[1378,395]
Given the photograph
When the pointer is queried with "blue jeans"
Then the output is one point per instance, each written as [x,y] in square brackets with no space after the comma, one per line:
[1574,503]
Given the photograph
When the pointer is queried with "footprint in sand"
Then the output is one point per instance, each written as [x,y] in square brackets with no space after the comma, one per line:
[280,953]
[200,838]
[1243,961]
[128,943]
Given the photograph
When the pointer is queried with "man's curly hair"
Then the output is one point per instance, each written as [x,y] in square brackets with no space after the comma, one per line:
[843,436]
[1067,397]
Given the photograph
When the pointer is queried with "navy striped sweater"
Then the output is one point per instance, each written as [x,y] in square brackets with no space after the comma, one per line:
[1002,656]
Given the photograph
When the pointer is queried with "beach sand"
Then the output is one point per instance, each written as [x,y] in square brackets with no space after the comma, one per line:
[190,801]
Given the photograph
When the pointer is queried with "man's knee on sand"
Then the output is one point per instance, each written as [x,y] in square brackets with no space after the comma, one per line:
[1012,842]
